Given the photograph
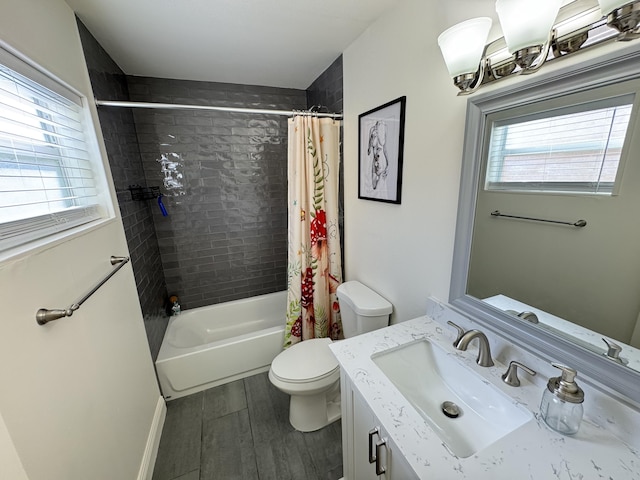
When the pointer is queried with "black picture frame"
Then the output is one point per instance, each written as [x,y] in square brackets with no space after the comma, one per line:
[380,152]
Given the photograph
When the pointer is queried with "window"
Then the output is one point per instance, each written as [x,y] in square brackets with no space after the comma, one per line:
[47,181]
[569,149]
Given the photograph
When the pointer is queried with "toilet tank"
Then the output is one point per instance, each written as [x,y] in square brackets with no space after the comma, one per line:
[362,310]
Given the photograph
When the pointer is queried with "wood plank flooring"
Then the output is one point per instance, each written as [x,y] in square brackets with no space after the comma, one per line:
[241,431]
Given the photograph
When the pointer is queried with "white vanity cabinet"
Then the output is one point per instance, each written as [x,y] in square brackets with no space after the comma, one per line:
[368,452]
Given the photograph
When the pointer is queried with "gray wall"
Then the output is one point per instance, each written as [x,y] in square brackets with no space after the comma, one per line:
[589,276]
[225,237]
[326,90]
[119,132]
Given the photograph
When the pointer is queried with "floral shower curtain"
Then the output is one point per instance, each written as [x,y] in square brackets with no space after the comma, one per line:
[315,266]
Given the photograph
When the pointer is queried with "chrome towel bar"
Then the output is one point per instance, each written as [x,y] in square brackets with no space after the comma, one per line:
[579,223]
[44,316]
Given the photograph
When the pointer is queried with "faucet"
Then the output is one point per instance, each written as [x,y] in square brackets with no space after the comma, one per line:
[484,351]
[613,352]
[528,316]
[510,377]
[459,335]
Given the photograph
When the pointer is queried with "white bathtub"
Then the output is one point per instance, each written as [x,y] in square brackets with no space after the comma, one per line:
[209,346]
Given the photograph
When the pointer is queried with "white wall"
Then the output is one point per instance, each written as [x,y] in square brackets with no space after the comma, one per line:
[10,464]
[78,397]
[404,251]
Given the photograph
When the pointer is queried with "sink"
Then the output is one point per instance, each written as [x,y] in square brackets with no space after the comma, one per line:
[428,376]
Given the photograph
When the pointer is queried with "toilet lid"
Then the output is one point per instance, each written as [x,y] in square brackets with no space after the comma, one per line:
[305,361]
[363,300]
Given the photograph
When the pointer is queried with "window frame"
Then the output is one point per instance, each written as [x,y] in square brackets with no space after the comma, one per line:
[568,103]
[103,209]
[610,68]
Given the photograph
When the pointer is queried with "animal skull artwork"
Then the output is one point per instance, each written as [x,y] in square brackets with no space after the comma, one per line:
[377,142]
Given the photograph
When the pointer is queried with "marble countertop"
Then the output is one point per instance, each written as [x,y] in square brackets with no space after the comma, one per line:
[532,451]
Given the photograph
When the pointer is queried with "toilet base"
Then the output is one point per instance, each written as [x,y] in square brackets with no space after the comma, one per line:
[308,413]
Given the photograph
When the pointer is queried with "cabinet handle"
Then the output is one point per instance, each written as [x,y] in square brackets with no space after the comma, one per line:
[372,432]
[380,469]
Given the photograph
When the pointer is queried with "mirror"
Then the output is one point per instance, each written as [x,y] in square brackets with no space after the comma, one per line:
[566,275]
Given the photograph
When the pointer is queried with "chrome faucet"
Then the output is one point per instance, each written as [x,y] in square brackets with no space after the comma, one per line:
[459,335]
[484,351]
[526,315]
[613,352]
[510,377]
[529,316]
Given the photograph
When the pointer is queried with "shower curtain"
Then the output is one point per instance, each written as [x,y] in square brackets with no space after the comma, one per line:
[314,264]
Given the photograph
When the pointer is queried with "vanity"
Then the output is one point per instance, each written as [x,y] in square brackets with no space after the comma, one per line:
[385,435]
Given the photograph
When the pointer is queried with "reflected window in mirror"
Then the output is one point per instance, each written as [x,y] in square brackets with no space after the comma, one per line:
[576,148]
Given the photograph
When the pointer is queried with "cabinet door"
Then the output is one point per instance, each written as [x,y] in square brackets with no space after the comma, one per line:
[398,467]
[366,434]
[361,434]
[366,457]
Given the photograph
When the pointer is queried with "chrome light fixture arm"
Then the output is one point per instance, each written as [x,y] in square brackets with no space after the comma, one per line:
[530,59]
[470,82]
[626,20]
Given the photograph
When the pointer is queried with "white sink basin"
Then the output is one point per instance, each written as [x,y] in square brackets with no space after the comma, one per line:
[428,376]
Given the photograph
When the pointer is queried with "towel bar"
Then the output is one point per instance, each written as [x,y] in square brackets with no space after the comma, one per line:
[579,223]
[44,315]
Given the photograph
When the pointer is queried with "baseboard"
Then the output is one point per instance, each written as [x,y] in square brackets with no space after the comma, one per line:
[153,441]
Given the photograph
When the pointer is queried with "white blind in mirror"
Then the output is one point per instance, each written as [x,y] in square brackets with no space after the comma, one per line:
[571,149]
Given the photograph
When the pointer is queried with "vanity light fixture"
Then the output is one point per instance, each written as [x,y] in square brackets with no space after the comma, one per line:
[535,31]
[463,47]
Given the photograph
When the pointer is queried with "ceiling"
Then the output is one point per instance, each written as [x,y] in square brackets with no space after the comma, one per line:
[283,43]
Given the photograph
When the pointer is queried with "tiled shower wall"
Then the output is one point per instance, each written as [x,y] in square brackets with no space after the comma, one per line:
[224,177]
[224,182]
[118,129]
[326,90]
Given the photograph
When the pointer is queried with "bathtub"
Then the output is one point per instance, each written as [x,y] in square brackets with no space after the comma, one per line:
[209,346]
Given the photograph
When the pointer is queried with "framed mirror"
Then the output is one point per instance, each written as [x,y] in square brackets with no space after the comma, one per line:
[565,249]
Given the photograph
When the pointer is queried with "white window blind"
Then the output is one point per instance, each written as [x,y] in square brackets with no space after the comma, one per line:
[572,149]
[47,183]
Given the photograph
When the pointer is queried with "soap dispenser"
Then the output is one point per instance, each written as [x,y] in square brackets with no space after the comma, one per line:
[561,406]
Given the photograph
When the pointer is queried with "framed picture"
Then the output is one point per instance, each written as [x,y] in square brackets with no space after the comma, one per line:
[381,141]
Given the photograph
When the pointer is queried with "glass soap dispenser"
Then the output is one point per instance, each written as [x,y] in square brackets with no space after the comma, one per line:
[561,406]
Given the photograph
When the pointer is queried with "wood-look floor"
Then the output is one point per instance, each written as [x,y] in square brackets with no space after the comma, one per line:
[241,431]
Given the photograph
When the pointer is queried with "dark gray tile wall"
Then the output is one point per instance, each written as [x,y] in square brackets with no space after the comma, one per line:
[327,90]
[118,129]
[225,236]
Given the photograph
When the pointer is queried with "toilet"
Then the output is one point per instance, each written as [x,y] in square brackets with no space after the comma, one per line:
[308,371]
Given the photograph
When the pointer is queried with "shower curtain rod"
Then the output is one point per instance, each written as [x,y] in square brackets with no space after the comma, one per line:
[176,106]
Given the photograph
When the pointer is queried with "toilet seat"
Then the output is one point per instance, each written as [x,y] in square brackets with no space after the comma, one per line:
[306,362]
